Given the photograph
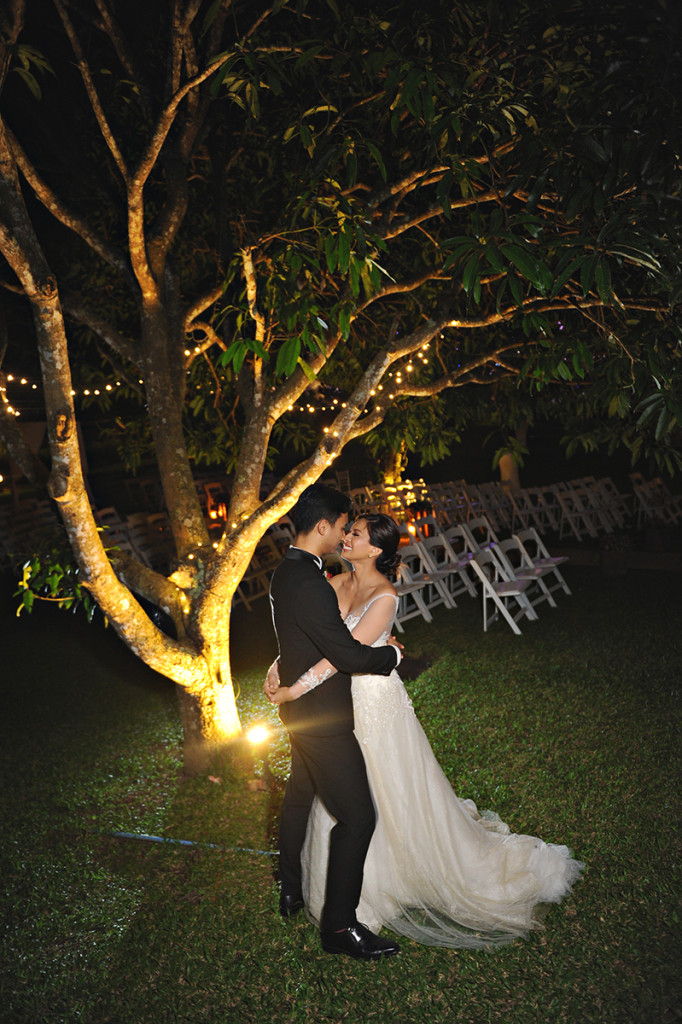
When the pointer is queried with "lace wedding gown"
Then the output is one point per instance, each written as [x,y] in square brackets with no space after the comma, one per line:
[437,870]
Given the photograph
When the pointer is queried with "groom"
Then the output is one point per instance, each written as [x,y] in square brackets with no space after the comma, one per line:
[325,756]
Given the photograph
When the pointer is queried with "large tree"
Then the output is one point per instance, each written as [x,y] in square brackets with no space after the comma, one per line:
[250,205]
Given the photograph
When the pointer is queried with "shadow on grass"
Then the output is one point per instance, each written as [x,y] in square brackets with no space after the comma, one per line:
[570,731]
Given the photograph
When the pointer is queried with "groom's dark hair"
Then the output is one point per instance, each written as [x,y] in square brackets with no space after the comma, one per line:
[319,501]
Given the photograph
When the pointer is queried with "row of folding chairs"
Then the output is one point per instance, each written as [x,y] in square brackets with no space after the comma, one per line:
[654,502]
[584,507]
[513,575]
[23,531]
[147,537]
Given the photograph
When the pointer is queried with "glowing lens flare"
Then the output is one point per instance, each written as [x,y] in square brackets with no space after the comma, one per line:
[259,734]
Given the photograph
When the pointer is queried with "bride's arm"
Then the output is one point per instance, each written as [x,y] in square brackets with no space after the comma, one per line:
[373,623]
[376,620]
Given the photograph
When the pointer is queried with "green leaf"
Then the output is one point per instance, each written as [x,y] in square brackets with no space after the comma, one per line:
[602,276]
[536,191]
[287,357]
[320,109]
[331,252]
[235,354]
[307,369]
[307,139]
[344,322]
[309,55]
[578,366]
[494,257]
[374,150]
[471,274]
[660,423]
[344,249]
[523,261]
[354,268]
[515,288]
[587,274]
[638,256]
[351,168]
[566,274]
[257,347]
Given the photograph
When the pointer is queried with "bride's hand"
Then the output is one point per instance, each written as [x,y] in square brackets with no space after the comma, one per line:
[280,696]
[272,679]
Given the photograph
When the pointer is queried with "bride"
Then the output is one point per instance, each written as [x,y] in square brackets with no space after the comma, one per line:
[437,870]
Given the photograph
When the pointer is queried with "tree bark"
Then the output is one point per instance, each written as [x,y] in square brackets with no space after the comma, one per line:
[164,378]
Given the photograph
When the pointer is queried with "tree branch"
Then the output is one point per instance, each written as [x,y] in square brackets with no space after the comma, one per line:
[91,91]
[136,183]
[114,257]
[212,338]
[82,314]
[400,287]
[202,303]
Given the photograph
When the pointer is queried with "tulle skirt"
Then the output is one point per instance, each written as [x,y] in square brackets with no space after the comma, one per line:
[437,870]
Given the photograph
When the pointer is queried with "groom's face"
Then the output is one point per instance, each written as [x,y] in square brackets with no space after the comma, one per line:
[334,533]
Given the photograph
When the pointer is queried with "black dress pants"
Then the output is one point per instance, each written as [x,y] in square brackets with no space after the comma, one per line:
[333,768]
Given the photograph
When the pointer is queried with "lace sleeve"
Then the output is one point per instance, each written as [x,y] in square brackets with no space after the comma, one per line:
[315,675]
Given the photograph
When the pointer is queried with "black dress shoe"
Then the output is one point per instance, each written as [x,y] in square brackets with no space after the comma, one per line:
[289,905]
[358,942]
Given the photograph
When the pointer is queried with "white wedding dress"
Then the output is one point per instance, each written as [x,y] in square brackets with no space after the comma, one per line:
[437,870]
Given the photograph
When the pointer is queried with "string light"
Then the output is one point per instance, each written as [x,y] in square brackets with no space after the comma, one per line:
[332,405]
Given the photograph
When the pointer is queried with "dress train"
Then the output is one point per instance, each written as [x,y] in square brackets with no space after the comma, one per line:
[437,870]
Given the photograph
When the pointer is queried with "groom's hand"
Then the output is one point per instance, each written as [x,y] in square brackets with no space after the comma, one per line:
[399,647]
[271,684]
[280,696]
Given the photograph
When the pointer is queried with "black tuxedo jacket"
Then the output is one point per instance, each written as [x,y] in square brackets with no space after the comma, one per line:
[309,627]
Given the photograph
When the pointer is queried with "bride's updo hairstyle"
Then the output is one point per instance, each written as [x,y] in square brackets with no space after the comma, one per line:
[384,533]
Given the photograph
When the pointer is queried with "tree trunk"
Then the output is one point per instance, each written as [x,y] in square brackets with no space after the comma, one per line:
[202,743]
[509,463]
[509,472]
[394,465]
[164,374]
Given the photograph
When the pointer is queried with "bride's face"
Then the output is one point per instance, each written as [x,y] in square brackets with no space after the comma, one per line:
[357,545]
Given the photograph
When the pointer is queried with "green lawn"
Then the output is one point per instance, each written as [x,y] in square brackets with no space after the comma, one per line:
[570,732]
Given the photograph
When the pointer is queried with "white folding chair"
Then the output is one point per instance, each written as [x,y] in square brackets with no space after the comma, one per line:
[480,533]
[454,568]
[410,599]
[256,580]
[590,497]
[655,503]
[574,516]
[518,565]
[536,552]
[495,505]
[462,542]
[615,503]
[108,517]
[501,592]
[419,565]
[363,501]
[282,533]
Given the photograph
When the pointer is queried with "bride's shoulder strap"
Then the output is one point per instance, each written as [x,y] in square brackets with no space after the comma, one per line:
[377,597]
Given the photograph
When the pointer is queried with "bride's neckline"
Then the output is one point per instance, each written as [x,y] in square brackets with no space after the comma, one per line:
[361,609]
